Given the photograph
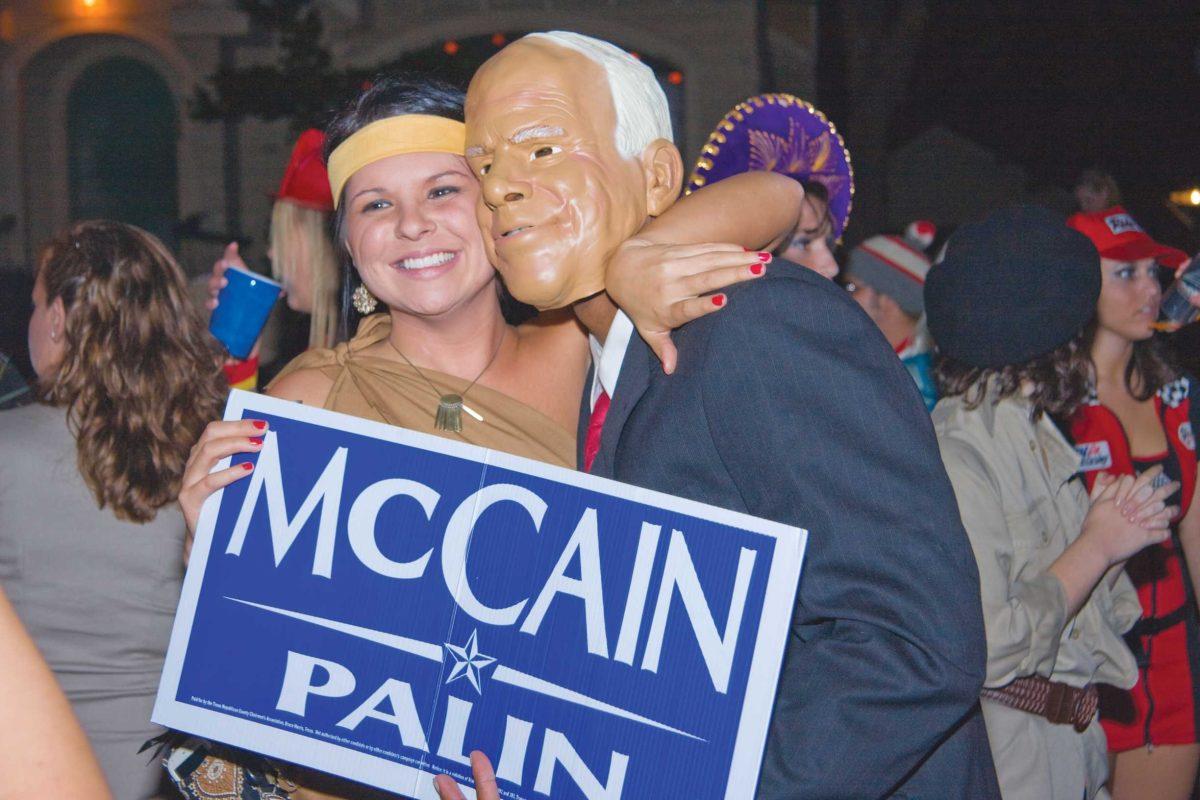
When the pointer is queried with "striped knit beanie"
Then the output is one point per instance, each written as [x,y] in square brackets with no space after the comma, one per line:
[896,265]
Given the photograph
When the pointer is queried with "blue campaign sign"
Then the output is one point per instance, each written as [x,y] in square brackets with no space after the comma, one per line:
[377,603]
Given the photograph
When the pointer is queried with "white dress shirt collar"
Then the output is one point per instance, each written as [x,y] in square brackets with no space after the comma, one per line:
[608,358]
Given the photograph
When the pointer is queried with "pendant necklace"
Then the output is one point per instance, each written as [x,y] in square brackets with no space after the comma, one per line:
[451,405]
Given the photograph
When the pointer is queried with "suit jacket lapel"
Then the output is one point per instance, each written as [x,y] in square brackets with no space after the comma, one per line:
[631,385]
[585,416]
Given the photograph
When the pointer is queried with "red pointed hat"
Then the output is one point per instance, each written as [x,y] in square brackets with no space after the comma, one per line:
[306,181]
[1117,236]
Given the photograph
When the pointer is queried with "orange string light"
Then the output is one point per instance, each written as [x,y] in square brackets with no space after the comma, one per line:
[90,8]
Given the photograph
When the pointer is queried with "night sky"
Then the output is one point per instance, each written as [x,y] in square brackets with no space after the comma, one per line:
[1059,86]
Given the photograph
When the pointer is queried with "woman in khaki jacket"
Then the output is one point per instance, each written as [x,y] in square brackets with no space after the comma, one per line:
[1004,306]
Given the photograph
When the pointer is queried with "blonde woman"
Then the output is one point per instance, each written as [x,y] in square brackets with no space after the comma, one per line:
[301,252]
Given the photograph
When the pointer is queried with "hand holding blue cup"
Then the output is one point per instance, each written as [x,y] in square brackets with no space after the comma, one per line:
[1179,302]
[242,309]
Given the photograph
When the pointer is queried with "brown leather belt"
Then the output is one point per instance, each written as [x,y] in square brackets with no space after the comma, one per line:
[1057,702]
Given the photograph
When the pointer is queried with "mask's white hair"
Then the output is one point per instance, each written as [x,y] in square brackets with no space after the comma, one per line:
[641,106]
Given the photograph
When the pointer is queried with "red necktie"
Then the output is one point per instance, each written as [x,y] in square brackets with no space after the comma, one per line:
[591,445]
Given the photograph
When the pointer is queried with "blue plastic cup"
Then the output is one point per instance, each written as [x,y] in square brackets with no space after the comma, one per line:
[242,309]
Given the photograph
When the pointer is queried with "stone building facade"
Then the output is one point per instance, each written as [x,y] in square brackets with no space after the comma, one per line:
[69,132]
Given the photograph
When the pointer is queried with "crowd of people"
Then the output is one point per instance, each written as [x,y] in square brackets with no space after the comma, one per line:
[992,452]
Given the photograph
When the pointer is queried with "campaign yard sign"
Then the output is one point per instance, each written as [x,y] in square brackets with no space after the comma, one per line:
[377,603]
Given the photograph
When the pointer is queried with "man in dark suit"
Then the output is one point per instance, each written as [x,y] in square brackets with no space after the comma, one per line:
[787,405]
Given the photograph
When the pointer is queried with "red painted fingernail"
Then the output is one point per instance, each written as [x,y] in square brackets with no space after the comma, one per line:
[764,257]
[756,269]
[256,440]
[246,465]
[258,423]
[718,300]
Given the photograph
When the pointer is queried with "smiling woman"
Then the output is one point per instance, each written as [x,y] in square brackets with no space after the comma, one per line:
[439,357]
[406,225]
[409,227]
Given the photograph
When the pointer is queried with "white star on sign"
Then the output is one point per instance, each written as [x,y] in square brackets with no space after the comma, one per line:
[468,661]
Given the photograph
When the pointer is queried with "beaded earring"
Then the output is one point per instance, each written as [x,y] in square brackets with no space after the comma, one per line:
[364,302]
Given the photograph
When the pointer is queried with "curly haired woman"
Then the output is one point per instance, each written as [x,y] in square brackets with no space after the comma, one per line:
[1005,306]
[90,543]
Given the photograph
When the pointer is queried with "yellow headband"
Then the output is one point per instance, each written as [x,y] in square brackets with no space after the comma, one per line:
[393,136]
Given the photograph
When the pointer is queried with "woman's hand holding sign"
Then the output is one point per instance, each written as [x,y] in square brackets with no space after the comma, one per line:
[483,774]
[220,440]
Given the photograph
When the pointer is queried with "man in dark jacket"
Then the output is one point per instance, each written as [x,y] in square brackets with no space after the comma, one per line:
[787,405]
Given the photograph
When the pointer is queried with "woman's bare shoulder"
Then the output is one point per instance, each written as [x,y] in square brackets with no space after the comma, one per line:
[309,386]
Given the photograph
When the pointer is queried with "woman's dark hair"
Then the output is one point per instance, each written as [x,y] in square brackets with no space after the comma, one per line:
[1149,369]
[816,190]
[394,95]
[813,191]
[1061,380]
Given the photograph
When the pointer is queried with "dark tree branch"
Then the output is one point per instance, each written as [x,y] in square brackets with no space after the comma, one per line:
[298,87]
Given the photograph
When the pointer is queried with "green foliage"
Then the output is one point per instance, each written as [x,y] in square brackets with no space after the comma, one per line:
[301,86]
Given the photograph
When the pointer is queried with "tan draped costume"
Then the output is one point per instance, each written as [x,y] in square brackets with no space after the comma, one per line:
[394,393]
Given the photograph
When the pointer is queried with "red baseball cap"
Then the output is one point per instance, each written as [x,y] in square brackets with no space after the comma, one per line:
[1117,236]
[306,181]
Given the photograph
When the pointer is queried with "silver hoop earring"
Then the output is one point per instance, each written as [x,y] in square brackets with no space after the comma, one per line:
[364,302]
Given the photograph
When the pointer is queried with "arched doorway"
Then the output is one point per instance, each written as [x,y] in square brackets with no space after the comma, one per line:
[122,137]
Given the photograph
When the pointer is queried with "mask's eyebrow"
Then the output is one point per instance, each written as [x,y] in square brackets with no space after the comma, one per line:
[536,132]
[520,137]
